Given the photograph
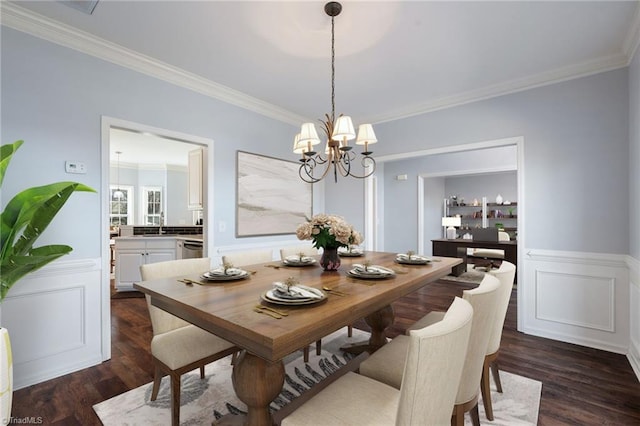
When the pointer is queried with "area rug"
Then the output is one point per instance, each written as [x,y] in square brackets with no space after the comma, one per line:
[209,399]
[472,276]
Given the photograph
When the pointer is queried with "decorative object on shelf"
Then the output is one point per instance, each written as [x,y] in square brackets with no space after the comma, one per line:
[451,223]
[510,210]
[339,132]
[475,202]
[499,199]
[329,232]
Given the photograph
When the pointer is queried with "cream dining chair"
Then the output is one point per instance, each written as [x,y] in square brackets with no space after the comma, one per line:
[386,364]
[248,257]
[432,371]
[178,347]
[505,274]
[306,249]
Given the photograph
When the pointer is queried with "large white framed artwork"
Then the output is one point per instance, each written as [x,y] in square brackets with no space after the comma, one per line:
[271,199]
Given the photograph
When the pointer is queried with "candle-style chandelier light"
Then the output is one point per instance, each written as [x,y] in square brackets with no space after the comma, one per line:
[337,154]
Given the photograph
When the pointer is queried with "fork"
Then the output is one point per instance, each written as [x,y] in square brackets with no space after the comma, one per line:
[266,312]
[267,308]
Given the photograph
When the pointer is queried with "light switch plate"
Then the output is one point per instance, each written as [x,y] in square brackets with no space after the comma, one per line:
[75,167]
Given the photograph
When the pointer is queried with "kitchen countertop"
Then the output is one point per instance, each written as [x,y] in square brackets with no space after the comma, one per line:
[183,237]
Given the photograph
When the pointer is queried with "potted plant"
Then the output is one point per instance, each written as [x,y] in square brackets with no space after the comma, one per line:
[22,221]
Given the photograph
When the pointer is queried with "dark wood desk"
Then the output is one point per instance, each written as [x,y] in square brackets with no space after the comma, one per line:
[458,248]
[227,310]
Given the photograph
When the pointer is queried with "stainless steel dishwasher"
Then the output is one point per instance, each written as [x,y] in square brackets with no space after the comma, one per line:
[189,249]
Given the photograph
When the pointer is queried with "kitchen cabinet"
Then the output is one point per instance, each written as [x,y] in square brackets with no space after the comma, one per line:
[194,192]
[131,253]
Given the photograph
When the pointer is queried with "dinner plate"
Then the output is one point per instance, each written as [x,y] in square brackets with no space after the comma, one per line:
[289,262]
[208,276]
[372,275]
[270,297]
[413,261]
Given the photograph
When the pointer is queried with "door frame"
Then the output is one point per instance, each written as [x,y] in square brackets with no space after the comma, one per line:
[106,124]
[371,208]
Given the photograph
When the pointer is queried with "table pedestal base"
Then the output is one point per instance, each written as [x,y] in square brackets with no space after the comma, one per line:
[257,382]
[378,321]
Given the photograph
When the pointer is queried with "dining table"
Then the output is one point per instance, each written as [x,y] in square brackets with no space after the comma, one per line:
[234,310]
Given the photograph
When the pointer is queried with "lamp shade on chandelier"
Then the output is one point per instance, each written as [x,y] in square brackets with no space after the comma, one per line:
[337,156]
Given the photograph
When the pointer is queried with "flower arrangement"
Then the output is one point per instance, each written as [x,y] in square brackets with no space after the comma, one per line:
[328,231]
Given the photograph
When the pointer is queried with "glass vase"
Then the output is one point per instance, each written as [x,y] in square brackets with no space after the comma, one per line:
[330,260]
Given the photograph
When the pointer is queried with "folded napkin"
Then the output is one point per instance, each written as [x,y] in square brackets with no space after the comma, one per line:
[296,291]
[355,250]
[402,256]
[296,259]
[373,269]
[230,271]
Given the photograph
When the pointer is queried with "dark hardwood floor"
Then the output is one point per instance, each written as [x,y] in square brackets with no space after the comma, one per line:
[581,386]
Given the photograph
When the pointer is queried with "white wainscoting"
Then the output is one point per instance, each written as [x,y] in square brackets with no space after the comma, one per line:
[580,298]
[54,320]
[634,307]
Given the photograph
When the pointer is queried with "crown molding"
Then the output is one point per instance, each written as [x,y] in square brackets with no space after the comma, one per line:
[24,20]
[29,22]
[513,86]
[631,42]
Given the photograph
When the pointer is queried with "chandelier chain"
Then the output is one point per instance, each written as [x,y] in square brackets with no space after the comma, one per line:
[333,72]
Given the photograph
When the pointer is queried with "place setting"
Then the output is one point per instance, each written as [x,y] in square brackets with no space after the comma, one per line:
[368,271]
[299,260]
[292,293]
[351,251]
[410,258]
[226,272]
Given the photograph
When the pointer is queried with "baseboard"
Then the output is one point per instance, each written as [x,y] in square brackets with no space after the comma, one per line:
[568,338]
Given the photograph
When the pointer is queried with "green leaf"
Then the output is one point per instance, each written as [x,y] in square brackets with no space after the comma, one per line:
[6,152]
[24,219]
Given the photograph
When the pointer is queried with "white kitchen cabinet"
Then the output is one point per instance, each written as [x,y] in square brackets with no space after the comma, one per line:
[131,253]
[195,197]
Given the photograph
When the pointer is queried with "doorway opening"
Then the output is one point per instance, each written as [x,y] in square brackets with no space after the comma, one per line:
[153,163]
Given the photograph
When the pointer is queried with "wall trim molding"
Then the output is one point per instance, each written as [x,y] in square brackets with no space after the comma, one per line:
[585,258]
[634,357]
[582,341]
[24,20]
[634,270]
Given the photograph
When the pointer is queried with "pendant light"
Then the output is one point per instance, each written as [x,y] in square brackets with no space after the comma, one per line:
[118,194]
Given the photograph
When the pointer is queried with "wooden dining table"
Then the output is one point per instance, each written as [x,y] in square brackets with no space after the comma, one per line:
[227,309]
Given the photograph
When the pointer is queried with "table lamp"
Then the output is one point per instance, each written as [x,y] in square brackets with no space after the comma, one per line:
[451,223]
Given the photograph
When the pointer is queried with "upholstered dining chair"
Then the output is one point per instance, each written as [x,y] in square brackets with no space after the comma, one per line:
[178,347]
[386,364]
[505,274]
[248,257]
[431,374]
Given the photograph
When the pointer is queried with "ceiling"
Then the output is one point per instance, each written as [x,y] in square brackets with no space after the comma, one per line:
[393,59]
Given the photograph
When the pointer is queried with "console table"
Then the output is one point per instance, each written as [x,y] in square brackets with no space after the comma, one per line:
[458,248]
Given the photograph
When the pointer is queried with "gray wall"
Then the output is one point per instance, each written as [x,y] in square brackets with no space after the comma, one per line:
[634,157]
[401,196]
[575,156]
[54,98]
[488,185]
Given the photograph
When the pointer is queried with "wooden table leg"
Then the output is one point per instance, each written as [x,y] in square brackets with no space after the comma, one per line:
[378,321]
[257,382]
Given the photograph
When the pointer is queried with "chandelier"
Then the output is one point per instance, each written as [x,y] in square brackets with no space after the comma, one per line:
[338,156]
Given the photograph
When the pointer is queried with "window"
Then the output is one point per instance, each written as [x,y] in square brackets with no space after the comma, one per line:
[121,209]
[152,206]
